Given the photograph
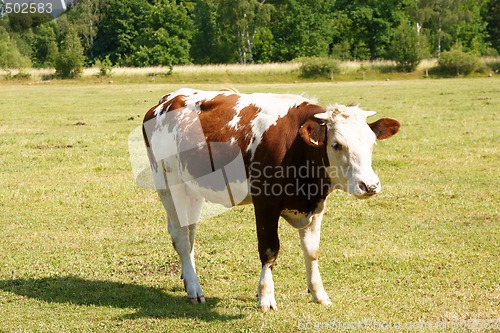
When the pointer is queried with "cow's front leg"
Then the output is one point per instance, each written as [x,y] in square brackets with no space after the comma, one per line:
[309,238]
[267,235]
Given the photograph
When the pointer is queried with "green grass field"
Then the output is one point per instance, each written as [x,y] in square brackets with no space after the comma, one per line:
[83,249]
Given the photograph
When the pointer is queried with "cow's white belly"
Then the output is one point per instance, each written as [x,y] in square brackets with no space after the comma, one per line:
[226,194]
[297,219]
[301,220]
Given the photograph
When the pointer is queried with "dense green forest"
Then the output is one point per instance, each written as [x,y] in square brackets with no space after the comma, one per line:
[169,32]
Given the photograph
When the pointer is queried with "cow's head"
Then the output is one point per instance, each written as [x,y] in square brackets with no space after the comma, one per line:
[349,142]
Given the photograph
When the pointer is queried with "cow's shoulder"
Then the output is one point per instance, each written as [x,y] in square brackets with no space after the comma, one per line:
[281,137]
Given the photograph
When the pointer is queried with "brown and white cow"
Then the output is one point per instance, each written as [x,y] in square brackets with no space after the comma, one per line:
[282,153]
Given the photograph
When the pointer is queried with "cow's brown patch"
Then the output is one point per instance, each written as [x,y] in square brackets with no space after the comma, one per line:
[214,116]
[217,113]
[278,139]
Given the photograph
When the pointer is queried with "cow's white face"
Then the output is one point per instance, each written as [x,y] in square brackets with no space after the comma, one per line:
[350,141]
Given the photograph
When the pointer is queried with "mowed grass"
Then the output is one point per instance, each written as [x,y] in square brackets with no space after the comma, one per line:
[83,249]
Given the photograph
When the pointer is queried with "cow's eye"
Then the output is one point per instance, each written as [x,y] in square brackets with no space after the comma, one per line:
[337,146]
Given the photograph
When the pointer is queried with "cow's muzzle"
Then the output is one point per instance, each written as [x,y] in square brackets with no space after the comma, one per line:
[367,190]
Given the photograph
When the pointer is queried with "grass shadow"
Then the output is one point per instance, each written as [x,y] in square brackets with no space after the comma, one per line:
[148,301]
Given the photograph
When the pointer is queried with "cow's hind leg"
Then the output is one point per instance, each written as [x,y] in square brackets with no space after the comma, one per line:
[309,239]
[183,239]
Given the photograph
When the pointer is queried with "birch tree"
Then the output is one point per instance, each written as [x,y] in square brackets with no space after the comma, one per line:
[243,18]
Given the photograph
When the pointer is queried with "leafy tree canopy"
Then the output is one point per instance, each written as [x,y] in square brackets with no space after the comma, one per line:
[169,32]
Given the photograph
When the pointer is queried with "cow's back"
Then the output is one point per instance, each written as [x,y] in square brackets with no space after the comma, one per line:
[245,121]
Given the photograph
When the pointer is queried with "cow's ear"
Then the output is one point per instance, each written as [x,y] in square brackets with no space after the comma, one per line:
[313,132]
[385,128]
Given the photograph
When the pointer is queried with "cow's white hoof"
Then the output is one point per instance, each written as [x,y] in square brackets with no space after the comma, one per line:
[324,302]
[320,297]
[197,300]
[265,306]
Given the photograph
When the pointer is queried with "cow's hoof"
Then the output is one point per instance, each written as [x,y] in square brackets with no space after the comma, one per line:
[269,305]
[324,302]
[197,300]
[265,308]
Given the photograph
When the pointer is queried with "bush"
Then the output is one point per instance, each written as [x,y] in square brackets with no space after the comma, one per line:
[105,67]
[458,62]
[68,66]
[493,64]
[69,61]
[405,47]
[319,67]
[19,76]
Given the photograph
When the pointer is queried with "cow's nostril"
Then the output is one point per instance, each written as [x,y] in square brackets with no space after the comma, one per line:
[363,187]
[369,189]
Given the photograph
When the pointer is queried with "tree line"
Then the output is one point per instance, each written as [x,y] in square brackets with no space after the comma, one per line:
[170,32]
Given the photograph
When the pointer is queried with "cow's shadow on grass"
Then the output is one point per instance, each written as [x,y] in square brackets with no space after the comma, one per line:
[148,301]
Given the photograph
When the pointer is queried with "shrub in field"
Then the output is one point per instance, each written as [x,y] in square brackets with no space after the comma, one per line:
[405,47]
[19,76]
[456,61]
[105,66]
[319,67]
[69,62]
[493,64]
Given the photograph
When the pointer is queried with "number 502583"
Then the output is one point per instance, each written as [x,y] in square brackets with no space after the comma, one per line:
[27,8]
